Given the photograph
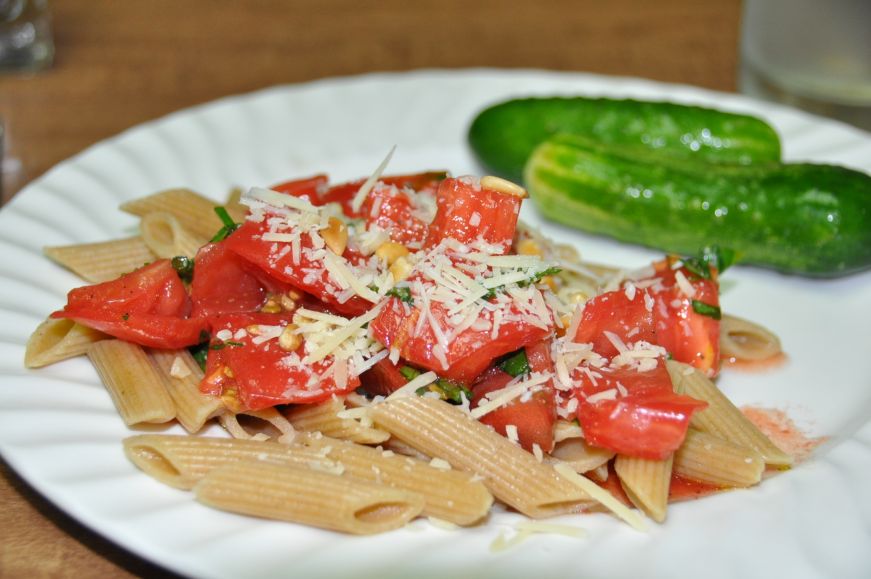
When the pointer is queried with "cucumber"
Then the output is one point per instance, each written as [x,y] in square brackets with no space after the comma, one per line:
[799,218]
[503,136]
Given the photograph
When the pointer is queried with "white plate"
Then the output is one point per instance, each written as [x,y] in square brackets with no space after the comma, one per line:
[58,428]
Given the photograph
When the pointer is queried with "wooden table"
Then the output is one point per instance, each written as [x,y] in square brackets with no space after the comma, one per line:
[122,63]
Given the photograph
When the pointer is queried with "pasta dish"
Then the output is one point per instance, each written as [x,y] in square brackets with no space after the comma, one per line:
[402,346]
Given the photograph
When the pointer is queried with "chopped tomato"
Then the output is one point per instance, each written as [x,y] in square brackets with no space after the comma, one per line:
[466,212]
[614,312]
[662,314]
[263,374]
[344,193]
[225,283]
[307,275]
[391,209]
[533,418]
[690,337]
[148,306]
[635,413]
[383,378]
[467,354]
[308,189]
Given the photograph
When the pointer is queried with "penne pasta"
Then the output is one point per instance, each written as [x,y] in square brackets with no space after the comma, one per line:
[182,376]
[722,418]
[308,496]
[327,418]
[579,455]
[166,236]
[192,210]
[137,388]
[181,461]
[709,459]
[104,261]
[513,475]
[741,339]
[58,339]
[646,483]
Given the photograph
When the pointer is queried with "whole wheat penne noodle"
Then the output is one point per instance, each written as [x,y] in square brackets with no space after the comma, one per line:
[195,212]
[308,496]
[327,418]
[137,388]
[744,340]
[579,455]
[180,461]
[513,475]
[104,261]
[167,237]
[286,431]
[182,376]
[646,483]
[722,418]
[709,459]
[58,339]
[450,495]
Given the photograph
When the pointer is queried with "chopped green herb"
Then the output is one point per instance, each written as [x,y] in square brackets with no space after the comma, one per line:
[403,294]
[200,352]
[447,390]
[515,364]
[125,317]
[229,225]
[532,279]
[222,345]
[184,266]
[707,310]
[711,256]
[409,373]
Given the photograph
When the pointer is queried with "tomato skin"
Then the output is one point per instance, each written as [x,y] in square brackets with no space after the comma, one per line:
[614,312]
[308,188]
[224,283]
[533,418]
[148,306]
[648,421]
[466,212]
[260,375]
[383,378]
[390,209]
[468,354]
[246,243]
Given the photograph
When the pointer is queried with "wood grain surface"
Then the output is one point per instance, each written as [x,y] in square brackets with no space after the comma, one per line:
[121,62]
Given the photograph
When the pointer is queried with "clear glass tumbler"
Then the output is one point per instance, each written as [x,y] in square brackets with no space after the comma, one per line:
[814,54]
[25,35]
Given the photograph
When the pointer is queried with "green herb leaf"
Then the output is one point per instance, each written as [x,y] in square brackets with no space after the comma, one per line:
[403,294]
[184,266]
[710,256]
[707,310]
[532,279]
[222,345]
[516,364]
[448,390]
[200,352]
[125,317]
[229,225]
[409,373]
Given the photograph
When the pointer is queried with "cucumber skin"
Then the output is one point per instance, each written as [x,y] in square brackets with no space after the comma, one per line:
[813,220]
[504,135]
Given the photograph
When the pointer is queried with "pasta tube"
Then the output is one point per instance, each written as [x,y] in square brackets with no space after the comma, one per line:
[513,475]
[307,496]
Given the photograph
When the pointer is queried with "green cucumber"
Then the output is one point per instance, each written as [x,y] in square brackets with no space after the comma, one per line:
[503,136]
[800,218]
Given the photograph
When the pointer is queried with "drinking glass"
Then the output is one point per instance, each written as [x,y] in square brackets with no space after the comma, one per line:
[25,35]
[814,54]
